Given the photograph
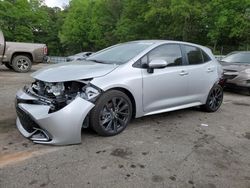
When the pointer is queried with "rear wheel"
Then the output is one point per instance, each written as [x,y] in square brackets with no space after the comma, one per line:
[21,63]
[214,99]
[8,66]
[111,114]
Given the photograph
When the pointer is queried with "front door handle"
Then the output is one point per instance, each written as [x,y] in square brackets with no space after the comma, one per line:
[183,73]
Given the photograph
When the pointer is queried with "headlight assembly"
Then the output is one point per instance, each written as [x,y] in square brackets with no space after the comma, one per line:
[89,92]
[62,93]
[56,89]
[247,71]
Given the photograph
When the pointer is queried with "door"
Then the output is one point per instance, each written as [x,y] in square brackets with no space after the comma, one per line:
[167,87]
[2,46]
[202,73]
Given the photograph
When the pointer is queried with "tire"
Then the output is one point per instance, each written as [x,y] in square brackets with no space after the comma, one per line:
[21,63]
[8,66]
[111,114]
[214,99]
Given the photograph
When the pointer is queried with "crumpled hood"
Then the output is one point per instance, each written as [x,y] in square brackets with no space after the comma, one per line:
[235,66]
[73,71]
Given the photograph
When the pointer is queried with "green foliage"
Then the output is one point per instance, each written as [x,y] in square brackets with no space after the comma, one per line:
[20,19]
[132,25]
[76,25]
[227,21]
[95,24]
[105,15]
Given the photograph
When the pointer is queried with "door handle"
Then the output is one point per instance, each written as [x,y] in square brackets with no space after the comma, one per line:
[183,73]
[210,69]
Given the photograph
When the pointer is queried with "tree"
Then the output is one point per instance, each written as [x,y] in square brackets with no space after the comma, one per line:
[227,22]
[105,15]
[132,25]
[76,26]
[49,32]
[95,24]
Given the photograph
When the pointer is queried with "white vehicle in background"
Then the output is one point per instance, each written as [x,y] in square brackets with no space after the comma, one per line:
[79,56]
[219,57]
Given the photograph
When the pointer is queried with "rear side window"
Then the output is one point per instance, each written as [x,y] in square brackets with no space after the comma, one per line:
[169,52]
[206,58]
[194,55]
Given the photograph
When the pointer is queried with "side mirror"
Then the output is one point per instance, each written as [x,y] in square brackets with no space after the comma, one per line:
[156,64]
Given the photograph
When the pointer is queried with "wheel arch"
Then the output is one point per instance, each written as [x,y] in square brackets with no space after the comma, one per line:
[216,82]
[28,54]
[130,96]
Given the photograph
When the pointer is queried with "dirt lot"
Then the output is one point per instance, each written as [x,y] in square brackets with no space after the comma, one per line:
[167,150]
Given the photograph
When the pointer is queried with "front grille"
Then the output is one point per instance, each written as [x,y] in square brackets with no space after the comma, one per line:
[228,70]
[27,122]
[230,77]
[230,74]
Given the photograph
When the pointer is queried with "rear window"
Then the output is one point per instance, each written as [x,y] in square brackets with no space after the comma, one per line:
[196,55]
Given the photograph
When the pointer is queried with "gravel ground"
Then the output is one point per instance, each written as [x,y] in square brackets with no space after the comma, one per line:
[185,148]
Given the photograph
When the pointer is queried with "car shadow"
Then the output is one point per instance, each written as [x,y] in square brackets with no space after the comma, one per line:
[238,91]
[6,70]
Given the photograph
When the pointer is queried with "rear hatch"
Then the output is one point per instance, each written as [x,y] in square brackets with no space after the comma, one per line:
[2,46]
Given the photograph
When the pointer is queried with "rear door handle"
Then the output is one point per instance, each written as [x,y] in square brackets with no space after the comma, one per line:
[183,73]
[210,69]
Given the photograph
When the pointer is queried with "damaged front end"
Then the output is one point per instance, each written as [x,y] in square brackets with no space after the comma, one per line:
[54,113]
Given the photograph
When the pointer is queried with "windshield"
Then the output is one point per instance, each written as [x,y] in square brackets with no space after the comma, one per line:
[120,53]
[243,57]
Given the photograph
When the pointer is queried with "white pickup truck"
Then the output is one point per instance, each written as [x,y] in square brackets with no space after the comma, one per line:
[20,56]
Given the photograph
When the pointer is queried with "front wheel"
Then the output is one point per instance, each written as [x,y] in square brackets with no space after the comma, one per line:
[112,113]
[214,99]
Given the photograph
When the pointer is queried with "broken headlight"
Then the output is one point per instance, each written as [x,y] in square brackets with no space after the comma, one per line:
[61,94]
[71,89]
[49,90]
[57,89]
[89,92]
[247,71]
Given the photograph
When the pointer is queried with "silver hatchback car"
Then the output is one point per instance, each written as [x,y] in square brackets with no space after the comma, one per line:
[106,90]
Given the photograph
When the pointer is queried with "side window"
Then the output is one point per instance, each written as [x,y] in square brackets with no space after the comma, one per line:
[144,61]
[170,53]
[206,58]
[193,54]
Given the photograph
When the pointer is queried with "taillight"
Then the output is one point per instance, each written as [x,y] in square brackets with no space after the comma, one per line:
[45,50]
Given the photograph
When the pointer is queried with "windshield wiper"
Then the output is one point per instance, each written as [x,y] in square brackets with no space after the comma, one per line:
[223,61]
[97,61]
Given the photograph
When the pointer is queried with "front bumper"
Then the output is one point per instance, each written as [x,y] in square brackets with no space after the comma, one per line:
[237,79]
[62,127]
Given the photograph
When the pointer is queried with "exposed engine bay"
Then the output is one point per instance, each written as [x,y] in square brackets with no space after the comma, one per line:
[60,94]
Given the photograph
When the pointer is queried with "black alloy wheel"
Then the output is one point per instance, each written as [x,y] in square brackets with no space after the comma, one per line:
[111,114]
[214,100]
